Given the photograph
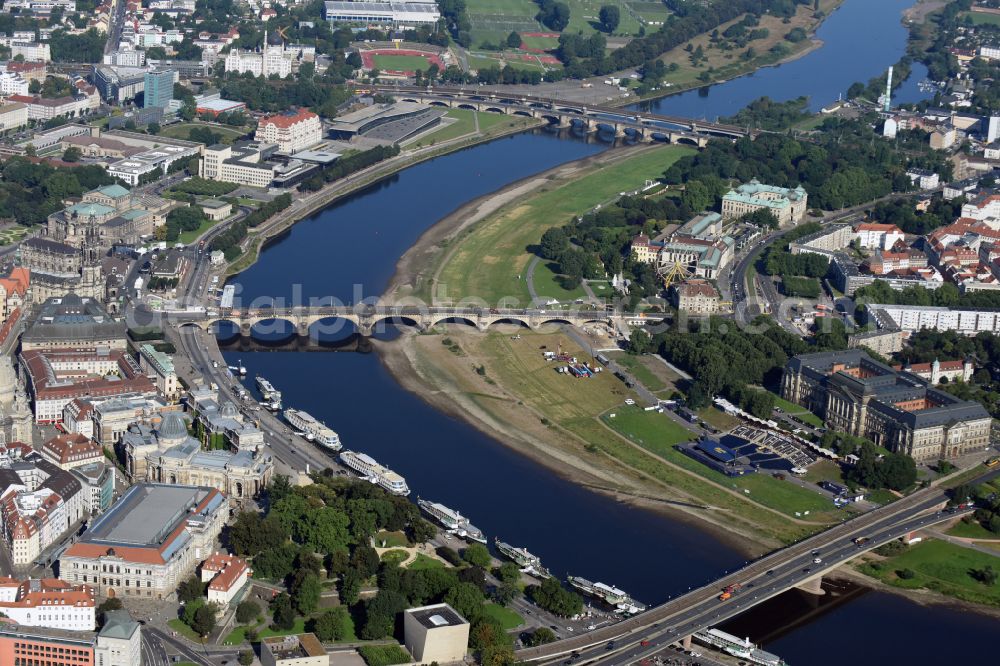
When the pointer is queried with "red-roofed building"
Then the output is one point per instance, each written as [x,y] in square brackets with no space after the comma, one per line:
[59,376]
[13,291]
[293,131]
[70,450]
[226,575]
[938,370]
[148,541]
[48,602]
[32,520]
[78,417]
[34,70]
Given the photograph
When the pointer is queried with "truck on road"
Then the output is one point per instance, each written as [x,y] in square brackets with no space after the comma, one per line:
[729,591]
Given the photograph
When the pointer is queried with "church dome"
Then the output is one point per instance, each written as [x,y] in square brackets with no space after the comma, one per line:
[229,409]
[172,428]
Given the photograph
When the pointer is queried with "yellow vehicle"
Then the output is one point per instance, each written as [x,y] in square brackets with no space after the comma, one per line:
[993,462]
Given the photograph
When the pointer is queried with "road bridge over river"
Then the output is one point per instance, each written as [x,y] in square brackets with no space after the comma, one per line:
[676,620]
[368,319]
[642,125]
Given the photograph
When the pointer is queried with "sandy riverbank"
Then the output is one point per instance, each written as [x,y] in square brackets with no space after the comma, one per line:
[522,430]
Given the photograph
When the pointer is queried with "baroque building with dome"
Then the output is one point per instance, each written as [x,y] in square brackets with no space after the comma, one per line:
[168,454]
[67,257]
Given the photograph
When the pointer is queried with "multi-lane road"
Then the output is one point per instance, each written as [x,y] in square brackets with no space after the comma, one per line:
[766,577]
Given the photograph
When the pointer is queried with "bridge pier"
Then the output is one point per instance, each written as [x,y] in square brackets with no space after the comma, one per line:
[813,586]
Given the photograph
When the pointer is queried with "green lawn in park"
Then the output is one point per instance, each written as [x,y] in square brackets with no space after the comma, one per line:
[424,562]
[508,619]
[183,131]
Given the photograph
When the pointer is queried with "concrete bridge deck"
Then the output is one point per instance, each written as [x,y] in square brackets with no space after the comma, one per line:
[793,566]
[645,124]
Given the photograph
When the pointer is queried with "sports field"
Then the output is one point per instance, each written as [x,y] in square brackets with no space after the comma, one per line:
[493,20]
[399,60]
[539,41]
[400,63]
[984,18]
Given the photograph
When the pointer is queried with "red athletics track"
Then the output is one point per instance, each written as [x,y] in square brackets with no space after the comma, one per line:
[367,58]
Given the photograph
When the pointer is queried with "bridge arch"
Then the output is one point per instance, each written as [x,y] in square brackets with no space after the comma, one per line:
[331,328]
[553,119]
[438,103]
[510,321]
[409,99]
[272,329]
[471,107]
[455,320]
[686,140]
[555,320]
[378,325]
[495,109]
[523,113]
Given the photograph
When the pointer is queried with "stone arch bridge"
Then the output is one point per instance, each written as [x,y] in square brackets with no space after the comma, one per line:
[366,320]
[643,126]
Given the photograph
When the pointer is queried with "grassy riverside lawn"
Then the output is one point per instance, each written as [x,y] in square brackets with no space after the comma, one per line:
[486,260]
[552,415]
[658,433]
[940,566]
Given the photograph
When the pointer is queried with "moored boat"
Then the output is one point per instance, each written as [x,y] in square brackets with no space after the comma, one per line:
[368,468]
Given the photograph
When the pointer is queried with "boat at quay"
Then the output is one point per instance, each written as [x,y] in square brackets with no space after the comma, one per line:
[530,564]
[451,520]
[370,469]
[314,430]
[619,599]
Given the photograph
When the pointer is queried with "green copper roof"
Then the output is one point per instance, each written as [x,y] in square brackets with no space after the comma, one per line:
[114,191]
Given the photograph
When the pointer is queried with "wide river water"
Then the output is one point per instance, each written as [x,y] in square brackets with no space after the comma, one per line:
[349,251]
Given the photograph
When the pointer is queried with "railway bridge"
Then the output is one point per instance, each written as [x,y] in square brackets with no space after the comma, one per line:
[642,125]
